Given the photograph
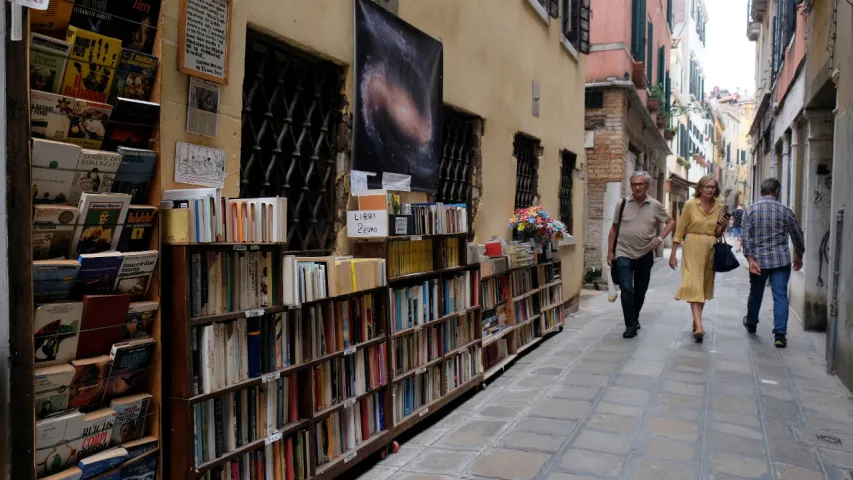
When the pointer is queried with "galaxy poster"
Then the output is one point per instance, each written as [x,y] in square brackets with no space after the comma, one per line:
[398,85]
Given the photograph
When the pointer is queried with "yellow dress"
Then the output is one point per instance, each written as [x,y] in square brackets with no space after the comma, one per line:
[696,233]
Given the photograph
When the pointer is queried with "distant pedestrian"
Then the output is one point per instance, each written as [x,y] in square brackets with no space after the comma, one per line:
[767,224]
[737,223]
[632,242]
[702,221]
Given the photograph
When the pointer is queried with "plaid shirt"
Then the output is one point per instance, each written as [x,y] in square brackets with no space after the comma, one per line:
[766,227]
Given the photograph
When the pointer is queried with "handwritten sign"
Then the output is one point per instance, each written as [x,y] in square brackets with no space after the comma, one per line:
[350,402]
[270,377]
[255,312]
[239,248]
[424,412]
[273,438]
[367,223]
[205,39]
[349,351]
[33,4]
[350,457]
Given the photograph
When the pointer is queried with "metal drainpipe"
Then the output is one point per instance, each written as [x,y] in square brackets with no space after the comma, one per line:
[832,328]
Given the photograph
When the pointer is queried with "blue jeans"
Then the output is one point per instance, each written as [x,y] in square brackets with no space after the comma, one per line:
[633,276]
[779,286]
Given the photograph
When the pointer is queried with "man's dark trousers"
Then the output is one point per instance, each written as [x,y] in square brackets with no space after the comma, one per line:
[633,276]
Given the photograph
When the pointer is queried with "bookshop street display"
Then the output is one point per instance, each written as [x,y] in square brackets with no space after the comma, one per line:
[95,253]
[398,83]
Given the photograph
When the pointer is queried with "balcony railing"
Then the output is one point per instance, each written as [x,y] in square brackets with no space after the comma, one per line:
[753,24]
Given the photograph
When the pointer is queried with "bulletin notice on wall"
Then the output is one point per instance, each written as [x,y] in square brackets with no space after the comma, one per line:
[203,108]
[205,48]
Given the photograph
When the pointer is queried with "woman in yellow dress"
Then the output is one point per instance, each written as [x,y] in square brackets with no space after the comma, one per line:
[700,224]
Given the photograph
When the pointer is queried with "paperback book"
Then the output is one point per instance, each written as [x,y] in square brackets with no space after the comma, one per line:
[135,76]
[53,226]
[54,279]
[50,115]
[98,273]
[94,173]
[102,218]
[47,62]
[91,66]
[88,124]
[53,170]
[134,173]
[130,417]
[135,273]
[97,18]
[138,229]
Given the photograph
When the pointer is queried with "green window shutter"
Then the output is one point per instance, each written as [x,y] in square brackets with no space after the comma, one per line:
[650,53]
[669,14]
[636,30]
[668,90]
[662,65]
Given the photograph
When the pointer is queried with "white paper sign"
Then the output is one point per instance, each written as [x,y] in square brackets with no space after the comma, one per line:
[34,4]
[206,43]
[199,165]
[273,438]
[396,181]
[358,181]
[367,223]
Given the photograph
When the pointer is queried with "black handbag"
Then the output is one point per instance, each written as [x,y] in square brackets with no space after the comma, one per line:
[616,240]
[724,258]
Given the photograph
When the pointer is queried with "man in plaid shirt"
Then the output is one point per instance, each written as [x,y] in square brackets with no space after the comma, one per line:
[767,224]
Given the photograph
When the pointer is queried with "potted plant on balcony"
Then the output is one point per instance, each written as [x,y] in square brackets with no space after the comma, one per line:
[669,134]
[655,98]
[638,75]
[684,162]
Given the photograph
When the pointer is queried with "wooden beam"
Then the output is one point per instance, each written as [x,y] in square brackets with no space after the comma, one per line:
[20,265]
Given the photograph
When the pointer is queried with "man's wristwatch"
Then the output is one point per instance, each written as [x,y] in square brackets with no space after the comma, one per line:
[660,240]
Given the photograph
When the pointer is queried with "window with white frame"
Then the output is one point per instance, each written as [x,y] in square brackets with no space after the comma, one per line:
[575,23]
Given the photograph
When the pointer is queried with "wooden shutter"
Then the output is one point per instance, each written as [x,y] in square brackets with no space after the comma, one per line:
[554,8]
[669,14]
[638,30]
[668,90]
[662,66]
[650,53]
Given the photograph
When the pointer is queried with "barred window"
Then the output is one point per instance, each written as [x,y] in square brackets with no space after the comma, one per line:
[291,108]
[525,151]
[458,146]
[567,167]
[575,23]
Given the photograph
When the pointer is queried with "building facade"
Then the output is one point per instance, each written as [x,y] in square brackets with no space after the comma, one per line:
[626,106]
[513,89]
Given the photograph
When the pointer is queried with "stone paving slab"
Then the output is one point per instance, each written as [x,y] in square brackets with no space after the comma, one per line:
[589,405]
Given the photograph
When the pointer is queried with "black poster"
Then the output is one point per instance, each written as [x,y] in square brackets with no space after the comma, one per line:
[398,80]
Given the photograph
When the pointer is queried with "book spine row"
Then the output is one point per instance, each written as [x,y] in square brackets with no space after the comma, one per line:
[459,331]
[550,296]
[524,335]
[222,282]
[449,253]
[337,326]
[437,218]
[414,392]
[494,291]
[521,282]
[551,318]
[418,348]
[524,310]
[549,274]
[285,459]
[226,423]
[413,306]
[410,257]
[348,428]
[228,353]
[458,293]
[462,367]
[352,375]
[494,353]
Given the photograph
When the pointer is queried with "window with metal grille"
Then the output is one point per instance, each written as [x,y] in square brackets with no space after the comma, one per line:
[525,151]
[459,145]
[291,108]
[569,160]
[575,23]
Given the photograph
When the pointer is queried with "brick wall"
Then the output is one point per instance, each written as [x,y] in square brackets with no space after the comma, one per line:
[605,163]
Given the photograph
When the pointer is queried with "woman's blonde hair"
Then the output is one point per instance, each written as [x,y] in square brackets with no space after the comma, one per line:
[704,181]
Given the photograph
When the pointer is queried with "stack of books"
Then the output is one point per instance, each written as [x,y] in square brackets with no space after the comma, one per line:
[201,215]
[228,353]
[226,423]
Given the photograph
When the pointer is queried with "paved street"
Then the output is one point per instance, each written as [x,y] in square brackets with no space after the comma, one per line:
[589,405]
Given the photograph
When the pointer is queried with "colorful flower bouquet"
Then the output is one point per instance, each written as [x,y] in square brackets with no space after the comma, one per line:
[535,222]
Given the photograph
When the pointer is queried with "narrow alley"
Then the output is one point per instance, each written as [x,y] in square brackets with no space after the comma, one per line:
[589,405]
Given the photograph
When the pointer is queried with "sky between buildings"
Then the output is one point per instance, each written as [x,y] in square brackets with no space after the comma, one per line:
[729,55]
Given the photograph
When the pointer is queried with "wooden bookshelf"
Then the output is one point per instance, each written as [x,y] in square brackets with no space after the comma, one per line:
[545,294]
[181,462]
[440,270]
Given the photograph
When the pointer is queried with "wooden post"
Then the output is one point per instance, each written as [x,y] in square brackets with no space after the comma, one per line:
[20,266]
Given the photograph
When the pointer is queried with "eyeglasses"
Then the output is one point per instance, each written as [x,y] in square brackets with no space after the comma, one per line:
[638,185]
